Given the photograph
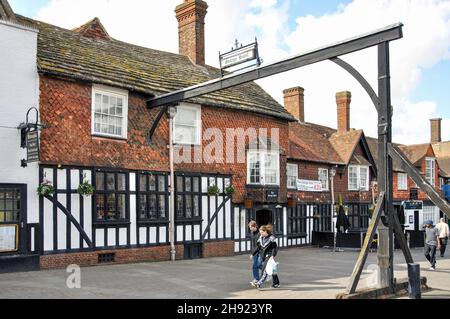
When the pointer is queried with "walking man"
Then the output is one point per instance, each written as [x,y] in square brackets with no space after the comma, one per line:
[431,241]
[444,233]
[256,258]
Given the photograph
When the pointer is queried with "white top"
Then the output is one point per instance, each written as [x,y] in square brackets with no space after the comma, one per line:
[443,230]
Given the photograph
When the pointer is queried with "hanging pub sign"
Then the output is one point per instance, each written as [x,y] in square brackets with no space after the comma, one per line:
[239,55]
[309,186]
[33,146]
[413,205]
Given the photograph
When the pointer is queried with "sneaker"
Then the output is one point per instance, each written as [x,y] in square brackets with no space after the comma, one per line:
[253,282]
[432,268]
[276,286]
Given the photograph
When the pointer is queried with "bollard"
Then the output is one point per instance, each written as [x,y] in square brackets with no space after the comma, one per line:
[414,284]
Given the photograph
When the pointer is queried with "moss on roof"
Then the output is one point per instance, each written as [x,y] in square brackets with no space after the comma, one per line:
[66,53]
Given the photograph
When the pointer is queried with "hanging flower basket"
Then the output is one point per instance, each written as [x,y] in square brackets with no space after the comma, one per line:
[292,202]
[85,189]
[229,190]
[45,188]
[248,203]
[213,190]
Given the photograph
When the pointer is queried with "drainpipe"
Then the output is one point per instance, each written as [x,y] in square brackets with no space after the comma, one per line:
[172,113]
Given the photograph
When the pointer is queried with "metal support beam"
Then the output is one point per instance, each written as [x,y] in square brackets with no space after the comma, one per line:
[364,41]
[358,77]
[412,172]
[156,122]
[385,179]
[354,279]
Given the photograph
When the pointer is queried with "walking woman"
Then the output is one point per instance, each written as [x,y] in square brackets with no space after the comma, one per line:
[266,248]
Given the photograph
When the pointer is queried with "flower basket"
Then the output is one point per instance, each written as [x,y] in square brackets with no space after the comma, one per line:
[229,190]
[45,188]
[292,202]
[85,189]
[248,203]
[213,190]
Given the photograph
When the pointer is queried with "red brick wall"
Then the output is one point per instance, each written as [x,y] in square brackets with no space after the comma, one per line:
[123,256]
[218,249]
[66,107]
[310,171]
[404,195]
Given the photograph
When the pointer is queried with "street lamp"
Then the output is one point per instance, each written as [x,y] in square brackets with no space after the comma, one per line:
[172,112]
[333,213]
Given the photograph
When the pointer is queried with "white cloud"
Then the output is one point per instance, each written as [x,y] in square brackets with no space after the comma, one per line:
[426,42]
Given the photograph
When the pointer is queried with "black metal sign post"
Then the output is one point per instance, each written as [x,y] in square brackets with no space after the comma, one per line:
[386,151]
[29,133]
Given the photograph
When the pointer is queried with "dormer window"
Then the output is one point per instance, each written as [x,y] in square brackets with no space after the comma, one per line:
[109,112]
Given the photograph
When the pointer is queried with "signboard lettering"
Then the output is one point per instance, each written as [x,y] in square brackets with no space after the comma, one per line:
[413,205]
[272,195]
[33,146]
[309,186]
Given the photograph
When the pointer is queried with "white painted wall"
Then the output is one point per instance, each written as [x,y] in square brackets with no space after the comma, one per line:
[19,90]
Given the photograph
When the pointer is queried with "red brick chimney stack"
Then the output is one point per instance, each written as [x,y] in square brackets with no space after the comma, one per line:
[343,100]
[294,102]
[191,29]
[436,130]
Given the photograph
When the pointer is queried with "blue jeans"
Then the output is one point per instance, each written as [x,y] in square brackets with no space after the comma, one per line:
[257,263]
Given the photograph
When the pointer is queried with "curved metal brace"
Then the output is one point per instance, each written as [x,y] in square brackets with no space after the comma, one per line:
[155,123]
[347,67]
[72,219]
[214,216]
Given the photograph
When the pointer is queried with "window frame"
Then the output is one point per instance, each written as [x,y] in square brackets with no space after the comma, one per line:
[327,179]
[433,168]
[198,114]
[106,192]
[111,92]
[262,167]
[404,183]
[291,165]
[190,194]
[148,192]
[358,178]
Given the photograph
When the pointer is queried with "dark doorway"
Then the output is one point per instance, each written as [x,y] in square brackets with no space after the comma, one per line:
[264,217]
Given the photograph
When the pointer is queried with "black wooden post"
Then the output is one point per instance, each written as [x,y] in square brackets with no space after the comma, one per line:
[385,170]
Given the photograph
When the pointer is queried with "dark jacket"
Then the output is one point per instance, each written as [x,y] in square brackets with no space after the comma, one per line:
[266,247]
[254,237]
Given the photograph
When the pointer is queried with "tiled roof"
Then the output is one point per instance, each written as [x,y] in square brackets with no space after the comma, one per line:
[415,153]
[345,143]
[6,13]
[442,152]
[69,54]
[309,142]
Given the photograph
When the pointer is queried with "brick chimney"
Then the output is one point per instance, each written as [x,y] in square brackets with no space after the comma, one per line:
[436,130]
[294,102]
[343,100]
[191,29]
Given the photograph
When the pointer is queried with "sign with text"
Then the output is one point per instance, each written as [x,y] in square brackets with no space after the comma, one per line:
[309,186]
[272,195]
[413,205]
[33,146]
[240,55]
[8,238]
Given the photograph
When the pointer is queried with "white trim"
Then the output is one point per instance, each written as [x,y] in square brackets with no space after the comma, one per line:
[198,111]
[261,154]
[358,177]
[287,175]
[404,185]
[18,26]
[110,91]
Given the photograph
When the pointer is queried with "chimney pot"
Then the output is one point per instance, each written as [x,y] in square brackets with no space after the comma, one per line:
[436,130]
[294,102]
[191,29]
[343,100]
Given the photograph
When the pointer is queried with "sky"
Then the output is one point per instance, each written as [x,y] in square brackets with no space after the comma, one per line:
[420,62]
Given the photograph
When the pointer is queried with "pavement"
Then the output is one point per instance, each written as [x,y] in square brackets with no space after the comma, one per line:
[305,273]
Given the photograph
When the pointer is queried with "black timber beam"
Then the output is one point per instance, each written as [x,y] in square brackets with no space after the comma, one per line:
[412,172]
[390,33]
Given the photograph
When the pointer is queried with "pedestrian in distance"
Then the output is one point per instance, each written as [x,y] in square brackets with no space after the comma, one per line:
[255,257]
[267,248]
[431,243]
[444,233]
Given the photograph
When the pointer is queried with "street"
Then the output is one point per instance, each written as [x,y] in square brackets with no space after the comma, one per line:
[305,273]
